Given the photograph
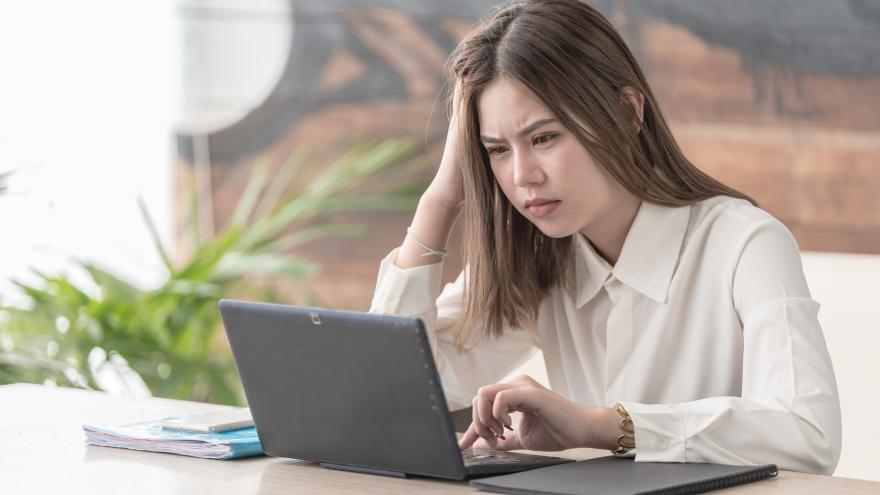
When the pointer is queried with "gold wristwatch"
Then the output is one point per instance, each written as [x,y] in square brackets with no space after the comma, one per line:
[627,440]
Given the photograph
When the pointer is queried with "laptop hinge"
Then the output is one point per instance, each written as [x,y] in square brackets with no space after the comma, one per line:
[359,469]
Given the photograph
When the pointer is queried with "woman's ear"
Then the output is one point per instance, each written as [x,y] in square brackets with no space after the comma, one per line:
[636,99]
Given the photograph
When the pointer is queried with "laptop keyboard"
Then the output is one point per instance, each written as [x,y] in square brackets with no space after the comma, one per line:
[473,457]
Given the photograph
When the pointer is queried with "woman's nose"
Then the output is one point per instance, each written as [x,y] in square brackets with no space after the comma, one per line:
[526,170]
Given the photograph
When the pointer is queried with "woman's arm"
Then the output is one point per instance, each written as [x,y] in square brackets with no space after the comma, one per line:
[409,284]
[788,413]
[438,207]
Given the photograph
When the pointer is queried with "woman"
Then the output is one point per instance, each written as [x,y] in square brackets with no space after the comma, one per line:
[672,312]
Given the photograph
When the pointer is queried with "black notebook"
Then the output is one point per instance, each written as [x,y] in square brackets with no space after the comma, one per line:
[621,475]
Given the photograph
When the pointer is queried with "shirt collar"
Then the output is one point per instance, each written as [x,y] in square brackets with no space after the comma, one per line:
[591,270]
[648,259]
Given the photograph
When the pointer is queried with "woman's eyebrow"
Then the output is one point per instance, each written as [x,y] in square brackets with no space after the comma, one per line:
[529,128]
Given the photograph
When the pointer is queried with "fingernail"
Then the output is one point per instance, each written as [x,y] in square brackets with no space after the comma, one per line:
[502,437]
[509,427]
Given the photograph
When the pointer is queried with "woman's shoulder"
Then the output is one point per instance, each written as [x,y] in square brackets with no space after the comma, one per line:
[728,207]
[731,220]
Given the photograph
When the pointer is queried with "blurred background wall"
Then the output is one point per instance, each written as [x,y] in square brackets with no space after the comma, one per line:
[778,99]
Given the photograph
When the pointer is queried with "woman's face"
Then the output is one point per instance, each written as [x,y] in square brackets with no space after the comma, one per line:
[542,168]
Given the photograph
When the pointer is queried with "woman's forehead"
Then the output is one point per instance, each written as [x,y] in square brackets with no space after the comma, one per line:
[505,106]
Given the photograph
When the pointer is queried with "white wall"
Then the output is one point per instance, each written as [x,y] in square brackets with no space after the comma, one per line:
[85,120]
[848,288]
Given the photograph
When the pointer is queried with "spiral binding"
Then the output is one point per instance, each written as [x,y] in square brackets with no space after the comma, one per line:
[718,482]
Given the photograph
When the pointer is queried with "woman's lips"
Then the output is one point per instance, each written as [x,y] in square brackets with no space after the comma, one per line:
[541,207]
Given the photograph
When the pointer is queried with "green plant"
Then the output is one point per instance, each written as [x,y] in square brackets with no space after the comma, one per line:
[73,333]
[4,180]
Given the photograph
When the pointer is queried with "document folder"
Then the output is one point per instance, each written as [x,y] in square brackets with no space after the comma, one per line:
[623,476]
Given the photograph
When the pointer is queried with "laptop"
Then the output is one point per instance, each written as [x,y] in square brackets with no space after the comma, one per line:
[352,391]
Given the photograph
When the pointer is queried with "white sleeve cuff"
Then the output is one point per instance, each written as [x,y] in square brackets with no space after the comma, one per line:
[406,291]
[660,432]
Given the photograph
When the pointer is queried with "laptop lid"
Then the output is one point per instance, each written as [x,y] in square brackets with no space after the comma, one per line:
[343,388]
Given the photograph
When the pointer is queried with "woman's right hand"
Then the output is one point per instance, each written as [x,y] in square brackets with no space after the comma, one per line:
[446,188]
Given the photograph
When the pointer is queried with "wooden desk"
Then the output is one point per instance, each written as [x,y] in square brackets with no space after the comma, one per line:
[42,450]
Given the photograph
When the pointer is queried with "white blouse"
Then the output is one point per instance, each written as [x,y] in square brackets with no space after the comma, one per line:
[704,330]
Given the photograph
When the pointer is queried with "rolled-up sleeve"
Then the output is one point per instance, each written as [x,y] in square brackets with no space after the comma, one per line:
[417,292]
[789,412]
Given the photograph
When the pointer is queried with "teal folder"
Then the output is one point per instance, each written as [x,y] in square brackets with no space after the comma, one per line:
[150,436]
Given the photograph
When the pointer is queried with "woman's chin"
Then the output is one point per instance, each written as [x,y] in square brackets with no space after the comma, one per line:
[555,231]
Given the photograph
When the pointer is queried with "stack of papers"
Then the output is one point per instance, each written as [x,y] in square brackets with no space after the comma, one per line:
[152,437]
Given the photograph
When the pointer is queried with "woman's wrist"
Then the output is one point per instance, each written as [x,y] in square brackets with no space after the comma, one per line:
[446,202]
[428,232]
[604,428]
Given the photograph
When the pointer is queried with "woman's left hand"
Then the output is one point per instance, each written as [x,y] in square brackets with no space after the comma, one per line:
[549,422]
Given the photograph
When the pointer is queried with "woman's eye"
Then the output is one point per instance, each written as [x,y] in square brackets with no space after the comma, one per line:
[496,150]
[543,138]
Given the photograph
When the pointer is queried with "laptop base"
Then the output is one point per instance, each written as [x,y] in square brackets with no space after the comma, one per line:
[359,469]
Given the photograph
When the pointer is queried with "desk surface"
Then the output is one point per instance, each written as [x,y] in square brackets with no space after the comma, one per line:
[42,450]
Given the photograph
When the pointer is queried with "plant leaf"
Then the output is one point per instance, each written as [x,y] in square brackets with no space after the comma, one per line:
[255,185]
[111,284]
[4,180]
[154,234]
[281,181]
[237,264]
[192,218]
[370,202]
[308,234]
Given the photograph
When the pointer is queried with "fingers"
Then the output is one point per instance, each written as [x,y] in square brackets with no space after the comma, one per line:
[470,439]
[455,100]
[490,418]
[485,423]
[527,380]
[483,407]
[511,442]
[480,427]
[470,436]
[516,399]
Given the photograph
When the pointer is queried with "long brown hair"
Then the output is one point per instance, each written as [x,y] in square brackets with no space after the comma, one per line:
[569,56]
